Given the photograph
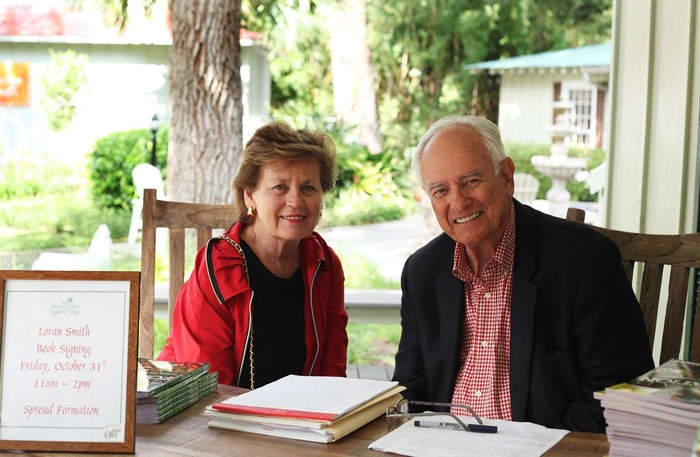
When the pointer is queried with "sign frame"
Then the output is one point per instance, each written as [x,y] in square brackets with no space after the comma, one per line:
[39,290]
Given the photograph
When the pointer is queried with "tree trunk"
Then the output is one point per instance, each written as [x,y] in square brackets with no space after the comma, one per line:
[206,127]
[354,95]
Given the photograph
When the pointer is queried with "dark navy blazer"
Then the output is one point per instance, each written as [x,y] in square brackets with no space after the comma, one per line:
[576,326]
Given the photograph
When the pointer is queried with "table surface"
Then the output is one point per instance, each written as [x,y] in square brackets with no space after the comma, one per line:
[187,434]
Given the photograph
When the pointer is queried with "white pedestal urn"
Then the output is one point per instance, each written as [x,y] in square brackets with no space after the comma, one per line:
[558,165]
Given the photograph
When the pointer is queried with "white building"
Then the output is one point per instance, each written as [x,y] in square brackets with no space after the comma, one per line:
[531,84]
[127,77]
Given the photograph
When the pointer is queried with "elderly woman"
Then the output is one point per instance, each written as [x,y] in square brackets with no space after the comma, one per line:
[266,299]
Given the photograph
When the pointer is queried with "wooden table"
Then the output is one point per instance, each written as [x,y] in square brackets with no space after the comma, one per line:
[187,434]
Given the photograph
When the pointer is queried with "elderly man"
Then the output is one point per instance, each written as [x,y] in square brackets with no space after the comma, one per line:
[518,314]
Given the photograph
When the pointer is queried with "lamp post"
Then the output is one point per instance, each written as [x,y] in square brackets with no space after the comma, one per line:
[155,125]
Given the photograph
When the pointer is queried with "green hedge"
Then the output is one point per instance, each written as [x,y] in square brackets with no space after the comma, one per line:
[112,159]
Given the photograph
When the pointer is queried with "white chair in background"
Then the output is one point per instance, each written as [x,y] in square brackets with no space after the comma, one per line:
[526,187]
[145,176]
[97,257]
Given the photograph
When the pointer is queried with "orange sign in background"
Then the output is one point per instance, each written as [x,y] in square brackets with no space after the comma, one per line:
[14,84]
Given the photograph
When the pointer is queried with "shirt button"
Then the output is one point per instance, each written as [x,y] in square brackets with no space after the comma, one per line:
[477,394]
[487,295]
[484,343]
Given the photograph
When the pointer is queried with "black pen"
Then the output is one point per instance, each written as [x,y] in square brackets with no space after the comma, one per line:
[476,428]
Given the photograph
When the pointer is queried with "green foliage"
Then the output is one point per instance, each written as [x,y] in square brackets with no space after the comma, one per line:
[351,209]
[64,81]
[301,78]
[112,159]
[372,344]
[370,187]
[21,177]
[55,221]
[362,273]
[160,334]
[379,175]
[522,153]
[419,50]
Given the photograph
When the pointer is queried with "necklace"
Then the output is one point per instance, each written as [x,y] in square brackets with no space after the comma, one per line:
[252,337]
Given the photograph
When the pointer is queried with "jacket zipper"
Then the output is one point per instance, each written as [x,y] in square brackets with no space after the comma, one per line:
[313,316]
[247,338]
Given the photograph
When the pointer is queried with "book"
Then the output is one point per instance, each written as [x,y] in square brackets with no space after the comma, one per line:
[161,406]
[166,388]
[311,408]
[162,375]
[657,413]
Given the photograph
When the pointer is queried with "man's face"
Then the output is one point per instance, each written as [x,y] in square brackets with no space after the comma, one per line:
[471,202]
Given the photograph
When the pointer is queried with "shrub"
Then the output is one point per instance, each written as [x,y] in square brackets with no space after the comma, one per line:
[30,176]
[355,209]
[370,187]
[114,157]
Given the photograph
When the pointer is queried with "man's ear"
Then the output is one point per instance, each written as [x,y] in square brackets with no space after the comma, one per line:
[507,171]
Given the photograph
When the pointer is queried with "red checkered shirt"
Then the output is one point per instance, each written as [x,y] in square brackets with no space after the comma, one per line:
[483,381]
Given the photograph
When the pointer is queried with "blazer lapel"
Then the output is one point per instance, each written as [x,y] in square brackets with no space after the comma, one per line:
[522,313]
[450,296]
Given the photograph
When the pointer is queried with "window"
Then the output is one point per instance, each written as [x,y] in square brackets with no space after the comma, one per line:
[584,97]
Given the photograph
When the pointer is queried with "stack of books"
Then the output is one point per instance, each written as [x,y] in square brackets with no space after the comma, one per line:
[311,408]
[166,388]
[656,414]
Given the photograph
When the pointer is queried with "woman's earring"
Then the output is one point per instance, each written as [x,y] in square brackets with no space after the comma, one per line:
[250,212]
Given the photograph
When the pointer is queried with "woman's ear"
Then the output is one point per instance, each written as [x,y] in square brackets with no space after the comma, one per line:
[248,198]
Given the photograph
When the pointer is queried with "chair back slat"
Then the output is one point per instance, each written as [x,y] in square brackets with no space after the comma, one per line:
[648,296]
[675,312]
[695,337]
[177,217]
[654,253]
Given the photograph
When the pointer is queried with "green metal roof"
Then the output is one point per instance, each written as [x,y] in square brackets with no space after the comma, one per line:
[597,55]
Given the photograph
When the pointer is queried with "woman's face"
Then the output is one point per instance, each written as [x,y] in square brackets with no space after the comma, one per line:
[287,200]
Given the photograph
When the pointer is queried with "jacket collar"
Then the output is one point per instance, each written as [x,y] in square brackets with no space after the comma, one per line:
[228,264]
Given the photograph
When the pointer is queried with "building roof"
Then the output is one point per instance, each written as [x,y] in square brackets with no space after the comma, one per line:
[594,58]
[41,21]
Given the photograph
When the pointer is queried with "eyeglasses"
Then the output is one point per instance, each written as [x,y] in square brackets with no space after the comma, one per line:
[394,414]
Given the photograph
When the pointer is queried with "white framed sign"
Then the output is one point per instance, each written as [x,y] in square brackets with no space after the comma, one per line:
[68,354]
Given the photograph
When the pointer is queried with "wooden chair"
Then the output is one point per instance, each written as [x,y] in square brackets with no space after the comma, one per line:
[177,217]
[654,252]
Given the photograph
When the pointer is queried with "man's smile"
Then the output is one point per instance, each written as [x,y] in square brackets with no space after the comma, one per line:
[471,217]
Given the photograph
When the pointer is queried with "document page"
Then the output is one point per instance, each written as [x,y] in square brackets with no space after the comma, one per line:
[521,439]
[309,397]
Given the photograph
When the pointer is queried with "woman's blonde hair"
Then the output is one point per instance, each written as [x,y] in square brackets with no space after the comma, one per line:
[277,140]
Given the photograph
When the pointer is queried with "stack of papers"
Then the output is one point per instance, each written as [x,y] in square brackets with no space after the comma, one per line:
[521,439]
[655,414]
[310,408]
